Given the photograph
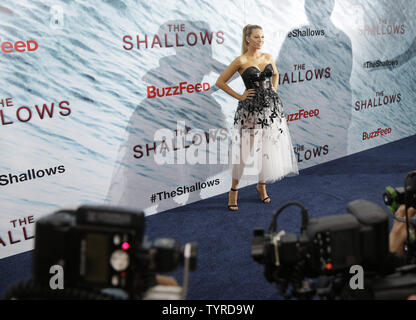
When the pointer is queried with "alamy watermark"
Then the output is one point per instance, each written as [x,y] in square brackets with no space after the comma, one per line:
[57,280]
[244,147]
[357,280]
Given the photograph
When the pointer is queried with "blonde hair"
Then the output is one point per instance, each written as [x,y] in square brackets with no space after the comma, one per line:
[247,30]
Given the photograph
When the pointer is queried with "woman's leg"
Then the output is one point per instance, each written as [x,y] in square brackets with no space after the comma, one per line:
[261,189]
[244,153]
[238,170]
[261,185]
[232,196]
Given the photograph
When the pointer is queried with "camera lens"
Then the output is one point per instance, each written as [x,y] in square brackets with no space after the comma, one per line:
[387,198]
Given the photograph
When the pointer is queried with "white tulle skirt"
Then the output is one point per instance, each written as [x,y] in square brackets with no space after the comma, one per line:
[261,149]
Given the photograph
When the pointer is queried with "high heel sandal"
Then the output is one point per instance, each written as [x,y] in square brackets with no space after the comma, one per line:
[232,207]
[265,200]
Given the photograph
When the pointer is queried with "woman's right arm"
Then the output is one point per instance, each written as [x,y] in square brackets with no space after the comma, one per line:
[226,75]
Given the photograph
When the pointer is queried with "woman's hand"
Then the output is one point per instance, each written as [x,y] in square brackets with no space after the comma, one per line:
[398,233]
[248,94]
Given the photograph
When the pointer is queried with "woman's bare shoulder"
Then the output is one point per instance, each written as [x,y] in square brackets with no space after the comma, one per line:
[241,59]
[267,56]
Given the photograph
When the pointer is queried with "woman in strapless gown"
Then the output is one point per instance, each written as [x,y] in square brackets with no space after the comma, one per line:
[261,149]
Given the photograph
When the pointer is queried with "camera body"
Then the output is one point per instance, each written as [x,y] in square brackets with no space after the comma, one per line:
[394,197]
[327,245]
[96,247]
[101,247]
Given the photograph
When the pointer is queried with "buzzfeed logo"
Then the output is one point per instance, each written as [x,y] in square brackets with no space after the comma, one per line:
[376,133]
[19,46]
[302,114]
[153,92]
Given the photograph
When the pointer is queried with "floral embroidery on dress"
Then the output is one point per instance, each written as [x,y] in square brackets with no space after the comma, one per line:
[265,108]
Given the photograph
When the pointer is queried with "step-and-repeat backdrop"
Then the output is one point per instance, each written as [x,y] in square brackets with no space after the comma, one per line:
[114,101]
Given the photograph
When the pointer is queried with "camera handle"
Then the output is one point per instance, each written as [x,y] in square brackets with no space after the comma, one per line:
[304,212]
[186,269]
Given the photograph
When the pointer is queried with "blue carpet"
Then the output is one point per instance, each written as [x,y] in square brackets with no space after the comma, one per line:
[225,269]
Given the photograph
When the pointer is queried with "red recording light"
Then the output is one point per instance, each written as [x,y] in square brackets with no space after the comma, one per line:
[125,246]
[329,266]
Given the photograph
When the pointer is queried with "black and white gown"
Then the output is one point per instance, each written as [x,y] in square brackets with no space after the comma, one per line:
[261,122]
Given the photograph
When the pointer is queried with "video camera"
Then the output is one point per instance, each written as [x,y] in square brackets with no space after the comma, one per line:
[326,248]
[105,248]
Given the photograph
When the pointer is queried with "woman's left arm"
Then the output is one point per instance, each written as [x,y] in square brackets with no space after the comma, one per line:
[275,78]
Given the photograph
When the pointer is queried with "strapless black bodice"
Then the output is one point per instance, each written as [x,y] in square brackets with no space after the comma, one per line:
[265,108]
[254,78]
